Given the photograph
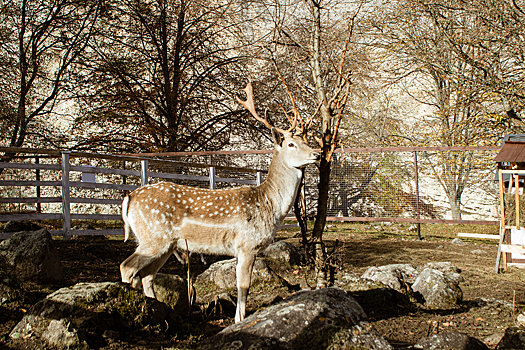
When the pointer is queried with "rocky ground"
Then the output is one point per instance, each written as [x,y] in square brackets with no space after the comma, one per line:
[485,313]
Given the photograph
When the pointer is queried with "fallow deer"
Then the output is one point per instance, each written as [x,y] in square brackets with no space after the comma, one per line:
[239,222]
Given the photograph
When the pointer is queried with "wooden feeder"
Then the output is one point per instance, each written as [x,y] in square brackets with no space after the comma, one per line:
[511,170]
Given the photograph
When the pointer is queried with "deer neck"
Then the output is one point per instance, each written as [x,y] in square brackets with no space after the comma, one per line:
[281,186]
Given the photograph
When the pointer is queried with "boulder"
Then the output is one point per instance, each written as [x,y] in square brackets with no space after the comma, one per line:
[437,289]
[458,241]
[31,256]
[283,251]
[220,307]
[434,284]
[450,341]
[80,315]
[353,283]
[172,290]
[18,226]
[395,276]
[62,334]
[321,319]
[452,272]
[223,274]
[10,290]
[514,338]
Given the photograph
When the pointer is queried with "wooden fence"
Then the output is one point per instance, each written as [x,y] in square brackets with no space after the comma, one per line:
[66,185]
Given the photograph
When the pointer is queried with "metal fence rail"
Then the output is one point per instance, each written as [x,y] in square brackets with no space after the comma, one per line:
[63,185]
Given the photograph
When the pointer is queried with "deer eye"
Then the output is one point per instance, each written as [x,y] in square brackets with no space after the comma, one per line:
[291,144]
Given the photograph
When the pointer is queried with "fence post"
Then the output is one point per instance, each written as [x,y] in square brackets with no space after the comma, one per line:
[38,205]
[212,178]
[143,172]
[258,178]
[416,172]
[124,179]
[66,209]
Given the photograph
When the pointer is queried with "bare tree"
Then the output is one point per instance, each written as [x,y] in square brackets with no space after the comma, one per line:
[429,59]
[161,76]
[40,42]
[310,47]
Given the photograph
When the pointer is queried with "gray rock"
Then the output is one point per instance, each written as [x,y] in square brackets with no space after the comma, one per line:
[438,290]
[452,272]
[521,319]
[18,226]
[443,266]
[83,312]
[394,276]
[450,341]
[61,333]
[31,256]
[222,306]
[223,274]
[10,290]
[283,251]
[493,339]
[513,339]
[321,319]
[172,290]
[458,241]
[355,283]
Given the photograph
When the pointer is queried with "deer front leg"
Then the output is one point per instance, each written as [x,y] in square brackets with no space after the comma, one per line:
[245,263]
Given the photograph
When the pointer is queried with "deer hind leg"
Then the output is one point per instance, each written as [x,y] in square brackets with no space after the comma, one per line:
[244,270]
[144,264]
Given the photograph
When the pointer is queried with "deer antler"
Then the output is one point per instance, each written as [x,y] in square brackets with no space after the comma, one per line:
[250,106]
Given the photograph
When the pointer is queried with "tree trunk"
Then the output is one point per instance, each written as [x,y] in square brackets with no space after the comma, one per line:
[320,220]
[455,205]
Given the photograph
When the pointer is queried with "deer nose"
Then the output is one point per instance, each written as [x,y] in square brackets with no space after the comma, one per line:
[316,155]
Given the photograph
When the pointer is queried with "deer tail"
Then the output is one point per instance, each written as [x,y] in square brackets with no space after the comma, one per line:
[125,204]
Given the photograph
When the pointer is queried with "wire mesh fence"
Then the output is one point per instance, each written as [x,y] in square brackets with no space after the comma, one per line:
[433,184]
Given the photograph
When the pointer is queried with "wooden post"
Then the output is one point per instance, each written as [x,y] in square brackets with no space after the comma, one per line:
[212,178]
[418,213]
[143,172]
[66,209]
[502,227]
[38,194]
[517,192]
[258,178]
[124,179]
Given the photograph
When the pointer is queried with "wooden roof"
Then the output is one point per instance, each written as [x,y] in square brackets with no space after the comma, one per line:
[512,151]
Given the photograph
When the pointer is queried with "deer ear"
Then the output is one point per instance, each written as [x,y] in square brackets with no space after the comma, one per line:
[277,138]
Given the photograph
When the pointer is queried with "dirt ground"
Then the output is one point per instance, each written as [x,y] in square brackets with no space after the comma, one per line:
[97,259]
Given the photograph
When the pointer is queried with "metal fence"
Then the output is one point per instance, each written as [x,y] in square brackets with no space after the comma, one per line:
[49,184]
[414,185]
